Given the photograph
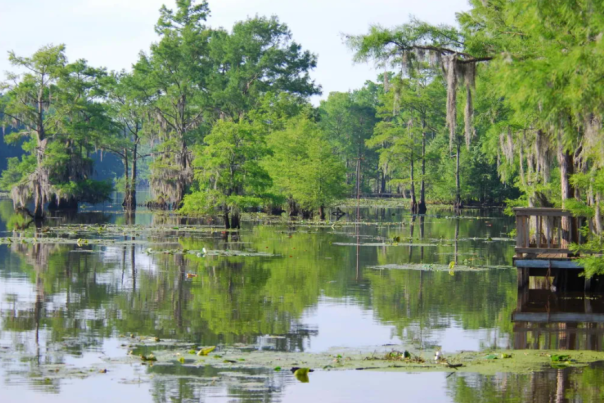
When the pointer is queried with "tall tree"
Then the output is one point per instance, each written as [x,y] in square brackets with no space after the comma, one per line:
[129,111]
[257,57]
[396,137]
[416,101]
[25,106]
[348,120]
[409,47]
[304,165]
[54,106]
[251,67]
[81,125]
[228,172]
[173,78]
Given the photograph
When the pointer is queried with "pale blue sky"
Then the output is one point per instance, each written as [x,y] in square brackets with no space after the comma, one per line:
[111,33]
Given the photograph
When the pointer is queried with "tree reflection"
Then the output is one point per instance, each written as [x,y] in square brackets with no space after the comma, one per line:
[84,295]
[552,385]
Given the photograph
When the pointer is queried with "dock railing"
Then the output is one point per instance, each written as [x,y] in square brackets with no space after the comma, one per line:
[546,231]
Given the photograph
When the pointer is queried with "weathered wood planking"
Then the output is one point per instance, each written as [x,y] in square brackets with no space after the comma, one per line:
[545,264]
[567,317]
[545,230]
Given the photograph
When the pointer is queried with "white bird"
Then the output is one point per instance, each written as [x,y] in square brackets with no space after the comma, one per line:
[437,356]
[204,251]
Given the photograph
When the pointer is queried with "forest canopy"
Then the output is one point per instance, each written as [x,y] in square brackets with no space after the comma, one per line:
[202,116]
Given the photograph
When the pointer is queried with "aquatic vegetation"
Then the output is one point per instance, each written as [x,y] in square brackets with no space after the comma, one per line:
[342,359]
[436,267]
[385,244]
[206,351]
[394,355]
[149,357]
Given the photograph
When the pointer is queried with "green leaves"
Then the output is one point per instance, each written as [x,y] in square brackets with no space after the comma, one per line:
[206,351]
[56,106]
[148,358]
[301,374]
[559,357]
[452,268]
[304,167]
[230,173]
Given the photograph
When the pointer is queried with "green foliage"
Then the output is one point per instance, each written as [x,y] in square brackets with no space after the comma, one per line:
[196,77]
[171,81]
[257,57]
[348,119]
[304,166]
[16,171]
[86,191]
[54,105]
[228,169]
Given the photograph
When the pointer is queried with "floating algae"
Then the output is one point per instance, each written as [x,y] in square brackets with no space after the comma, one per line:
[380,244]
[435,267]
[383,359]
[207,253]
[170,358]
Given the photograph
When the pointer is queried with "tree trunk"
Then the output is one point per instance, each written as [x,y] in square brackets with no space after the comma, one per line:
[358,175]
[134,168]
[598,215]
[130,217]
[292,207]
[39,179]
[414,205]
[227,223]
[39,193]
[130,196]
[235,219]
[348,175]
[458,204]
[322,213]
[565,161]
[38,201]
[421,209]
[126,204]
[185,175]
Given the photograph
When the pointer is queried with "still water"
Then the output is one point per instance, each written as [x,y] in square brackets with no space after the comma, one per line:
[387,278]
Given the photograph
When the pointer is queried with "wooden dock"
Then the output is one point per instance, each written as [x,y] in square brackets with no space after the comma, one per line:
[543,239]
[555,308]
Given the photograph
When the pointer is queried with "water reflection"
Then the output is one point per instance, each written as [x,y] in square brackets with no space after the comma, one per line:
[548,386]
[546,319]
[65,304]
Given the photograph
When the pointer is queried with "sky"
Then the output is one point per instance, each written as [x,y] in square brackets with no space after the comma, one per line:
[111,33]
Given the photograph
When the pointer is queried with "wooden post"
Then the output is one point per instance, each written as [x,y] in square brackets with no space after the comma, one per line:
[523,278]
[520,231]
[549,230]
[527,232]
[538,232]
[560,233]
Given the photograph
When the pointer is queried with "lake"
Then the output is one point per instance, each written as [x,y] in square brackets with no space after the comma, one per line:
[77,295]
